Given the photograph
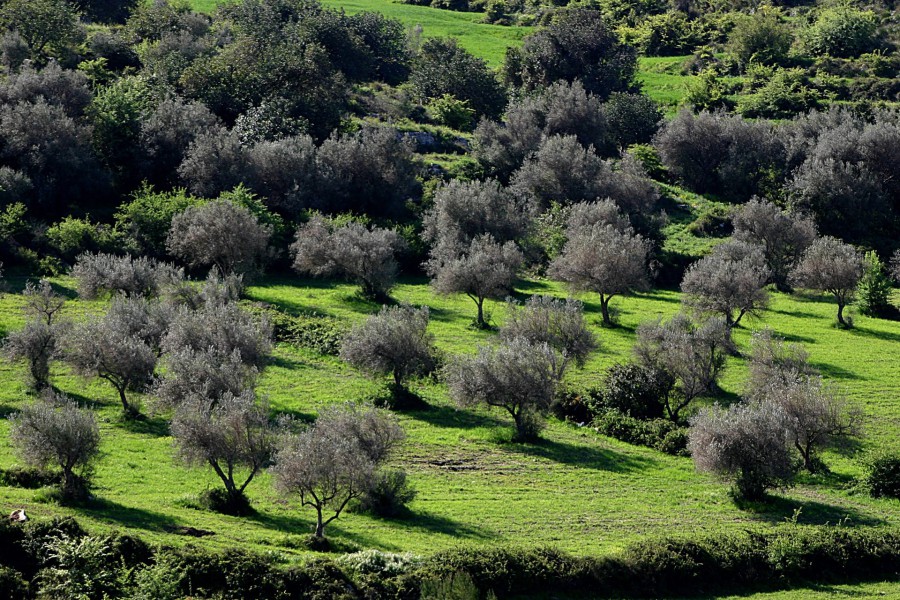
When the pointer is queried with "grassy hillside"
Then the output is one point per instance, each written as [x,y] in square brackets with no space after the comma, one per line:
[576,490]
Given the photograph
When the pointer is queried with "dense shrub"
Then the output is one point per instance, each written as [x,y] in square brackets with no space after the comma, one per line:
[882,475]
[389,494]
[841,30]
[578,44]
[98,274]
[659,434]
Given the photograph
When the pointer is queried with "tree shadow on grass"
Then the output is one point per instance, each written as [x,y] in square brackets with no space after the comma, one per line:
[155,426]
[778,509]
[798,339]
[86,402]
[287,363]
[587,457]
[834,371]
[881,335]
[6,411]
[446,416]
[800,314]
[432,523]
[128,516]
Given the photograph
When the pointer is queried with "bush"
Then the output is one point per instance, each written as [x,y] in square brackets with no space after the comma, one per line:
[314,331]
[784,95]
[383,564]
[659,434]
[389,494]
[30,479]
[883,475]
[12,584]
[842,30]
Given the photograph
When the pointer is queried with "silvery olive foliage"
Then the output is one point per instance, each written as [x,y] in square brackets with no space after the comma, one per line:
[38,342]
[744,444]
[485,269]
[784,236]
[231,434]
[830,265]
[222,329]
[516,375]
[692,353]
[604,258]
[555,322]
[98,274]
[354,251]
[728,282]
[336,459]
[54,431]
[220,234]
[394,342]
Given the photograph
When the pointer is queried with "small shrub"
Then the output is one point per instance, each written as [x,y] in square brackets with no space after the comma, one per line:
[218,500]
[376,562]
[883,475]
[12,584]
[389,494]
[27,478]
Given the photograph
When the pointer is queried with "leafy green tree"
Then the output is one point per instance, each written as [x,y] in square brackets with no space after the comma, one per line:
[762,37]
[842,30]
[444,67]
[46,25]
[874,290]
[578,44]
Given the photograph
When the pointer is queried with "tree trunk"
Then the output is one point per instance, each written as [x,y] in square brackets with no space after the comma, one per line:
[320,525]
[841,314]
[398,378]
[480,320]
[130,412]
[604,309]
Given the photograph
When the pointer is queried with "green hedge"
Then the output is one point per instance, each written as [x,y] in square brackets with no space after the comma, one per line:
[735,563]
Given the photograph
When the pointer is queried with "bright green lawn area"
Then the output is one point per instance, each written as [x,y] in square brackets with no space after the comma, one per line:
[887,589]
[576,490]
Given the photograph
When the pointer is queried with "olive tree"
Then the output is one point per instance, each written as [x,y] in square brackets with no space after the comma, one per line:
[38,342]
[463,210]
[830,265]
[55,431]
[220,233]
[221,329]
[393,342]
[485,269]
[232,435]
[605,260]
[693,354]
[517,376]
[206,373]
[784,236]
[335,460]
[353,251]
[42,302]
[728,282]
[102,273]
[99,349]
[746,444]
[557,323]
[817,416]
[774,362]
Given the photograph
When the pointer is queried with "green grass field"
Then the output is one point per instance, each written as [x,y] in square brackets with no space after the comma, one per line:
[576,490]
